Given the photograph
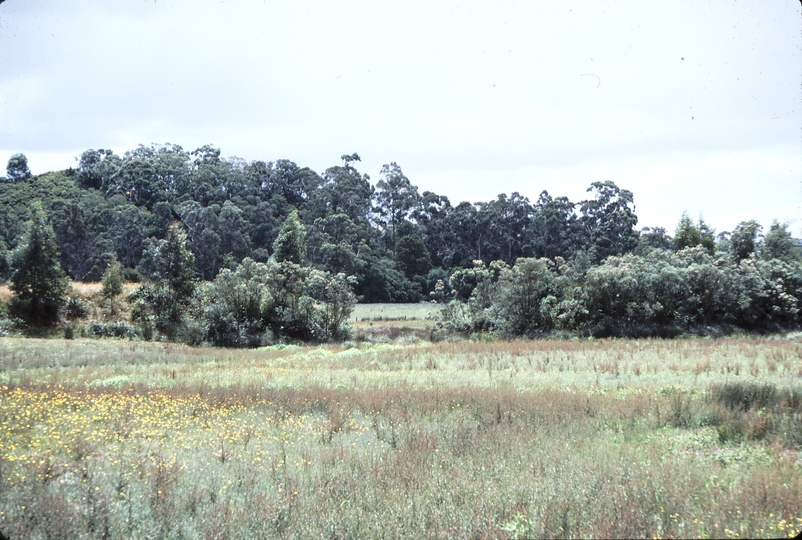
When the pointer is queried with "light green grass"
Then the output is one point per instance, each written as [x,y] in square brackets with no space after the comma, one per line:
[364,314]
[520,439]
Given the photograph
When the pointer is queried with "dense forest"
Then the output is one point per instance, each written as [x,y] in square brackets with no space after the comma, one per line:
[510,265]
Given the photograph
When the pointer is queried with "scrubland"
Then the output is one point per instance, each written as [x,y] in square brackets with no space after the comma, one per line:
[606,438]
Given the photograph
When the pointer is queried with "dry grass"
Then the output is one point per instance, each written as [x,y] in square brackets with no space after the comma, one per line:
[417,317]
[89,290]
[518,439]
[5,294]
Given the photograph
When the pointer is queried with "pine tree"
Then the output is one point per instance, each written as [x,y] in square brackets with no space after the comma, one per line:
[37,280]
[290,245]
[176,263]
[163,304]
[689,235]
[778,244]
[112,281]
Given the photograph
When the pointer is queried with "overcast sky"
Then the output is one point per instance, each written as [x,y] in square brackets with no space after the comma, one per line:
[692,105]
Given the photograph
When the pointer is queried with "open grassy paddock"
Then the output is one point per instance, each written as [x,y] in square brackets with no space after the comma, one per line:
[681,438]
[370,318]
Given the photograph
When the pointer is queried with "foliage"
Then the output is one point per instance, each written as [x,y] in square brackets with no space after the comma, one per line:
[175,263]
[653,238]
[778,244]
[37,280]
[525,294]
[4,264]
[395,197]
[400,245]
[533,438]
[17,168]
[290,244]
[164,302]
[236,306]
[259,303]
[744,239]
[608,221]
[112,280]
[75,308]
[659,294]
[689,235]
[412,256]
[117,329]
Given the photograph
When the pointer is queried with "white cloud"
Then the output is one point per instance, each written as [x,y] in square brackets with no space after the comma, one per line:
[471,96]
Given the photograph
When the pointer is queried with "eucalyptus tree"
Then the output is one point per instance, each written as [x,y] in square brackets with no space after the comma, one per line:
[431,217]
[344,190]
[608,221]
[97,169]
[334,242]
[744,240]
[395,199]
[509,221]
[468,232]
[290,245]
[286,180]
[555,227]
[17,168]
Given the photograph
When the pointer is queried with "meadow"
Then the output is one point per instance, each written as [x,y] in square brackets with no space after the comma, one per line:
[401,437]
[395,314]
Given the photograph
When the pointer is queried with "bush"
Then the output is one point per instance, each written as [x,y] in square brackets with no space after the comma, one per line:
[131,275]
[75,308]
[661,294]
[256,303]
[112,330]
[744,396]
[156,306]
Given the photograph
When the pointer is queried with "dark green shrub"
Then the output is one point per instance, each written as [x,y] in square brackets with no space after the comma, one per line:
[710,414]
[679,410]
[75,308]
[248,306]
[114,330]
[130,275]
[745,396]
[732,431]
[147,331]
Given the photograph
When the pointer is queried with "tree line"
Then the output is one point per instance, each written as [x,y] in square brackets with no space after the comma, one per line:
[382,242]
[395,240]
[250,305]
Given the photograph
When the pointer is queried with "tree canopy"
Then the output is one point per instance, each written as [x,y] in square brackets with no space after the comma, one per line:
[37,281]
[181,217]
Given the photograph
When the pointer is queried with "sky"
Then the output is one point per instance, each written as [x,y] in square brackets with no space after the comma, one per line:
[694,105]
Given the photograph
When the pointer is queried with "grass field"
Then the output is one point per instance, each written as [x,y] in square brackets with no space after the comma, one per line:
[682,438]
[413,315]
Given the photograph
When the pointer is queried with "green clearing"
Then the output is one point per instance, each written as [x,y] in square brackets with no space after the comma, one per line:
[609,438]
[416,315]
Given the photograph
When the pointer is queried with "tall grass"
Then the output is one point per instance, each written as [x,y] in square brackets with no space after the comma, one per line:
[523,439]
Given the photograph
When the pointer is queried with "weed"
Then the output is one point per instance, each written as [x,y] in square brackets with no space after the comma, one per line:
[135,439]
